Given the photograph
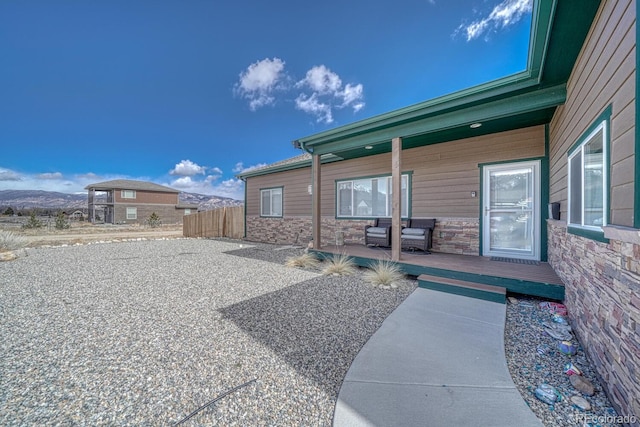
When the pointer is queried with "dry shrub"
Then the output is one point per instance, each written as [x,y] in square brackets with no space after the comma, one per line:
[10,241]
[384,273]
[305,260]
[341,265]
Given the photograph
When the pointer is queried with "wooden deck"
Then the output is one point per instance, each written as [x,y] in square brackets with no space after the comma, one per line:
[529,279]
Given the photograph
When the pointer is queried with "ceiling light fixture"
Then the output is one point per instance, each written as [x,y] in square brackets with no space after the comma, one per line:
[475,125]
[368,147]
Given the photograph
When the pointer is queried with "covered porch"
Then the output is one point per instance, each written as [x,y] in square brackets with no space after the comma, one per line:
[531,278]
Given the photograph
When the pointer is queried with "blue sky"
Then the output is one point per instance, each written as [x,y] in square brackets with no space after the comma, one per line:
[189,93]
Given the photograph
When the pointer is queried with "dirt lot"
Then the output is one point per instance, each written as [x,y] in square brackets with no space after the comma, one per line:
[81,232]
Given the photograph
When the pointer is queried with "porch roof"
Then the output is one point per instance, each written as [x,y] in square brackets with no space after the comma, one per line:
[525,99]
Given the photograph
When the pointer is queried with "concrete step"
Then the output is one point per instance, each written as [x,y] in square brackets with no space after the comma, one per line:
[464,288]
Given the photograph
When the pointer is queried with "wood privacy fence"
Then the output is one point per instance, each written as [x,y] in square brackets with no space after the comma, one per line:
[222,222]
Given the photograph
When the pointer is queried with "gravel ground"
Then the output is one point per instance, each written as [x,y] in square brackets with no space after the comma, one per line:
[524,332]
[145,332]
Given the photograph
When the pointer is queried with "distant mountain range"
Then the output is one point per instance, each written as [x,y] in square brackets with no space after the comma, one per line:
[29,199]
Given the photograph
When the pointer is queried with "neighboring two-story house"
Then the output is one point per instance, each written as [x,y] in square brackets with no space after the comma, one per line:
[124,201]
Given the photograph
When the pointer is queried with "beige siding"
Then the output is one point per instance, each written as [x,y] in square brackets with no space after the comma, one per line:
[444,175]
[295,194]
[604,75]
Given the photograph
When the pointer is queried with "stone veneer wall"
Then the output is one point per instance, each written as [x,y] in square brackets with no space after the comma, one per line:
[451,235]
[457,236]
[602,294]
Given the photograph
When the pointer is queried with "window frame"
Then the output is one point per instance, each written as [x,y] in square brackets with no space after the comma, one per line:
[354,215]
[595,232]
[271,191]
[135,209]
[123,194]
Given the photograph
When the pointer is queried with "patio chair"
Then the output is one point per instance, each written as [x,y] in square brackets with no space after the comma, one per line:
[378,234]
[418,234]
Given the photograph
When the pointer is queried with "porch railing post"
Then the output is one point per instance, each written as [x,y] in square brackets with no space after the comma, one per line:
[315,204]
[396,206]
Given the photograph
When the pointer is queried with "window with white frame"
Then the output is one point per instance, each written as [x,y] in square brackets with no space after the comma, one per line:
[132,213]
[271,202]
[588,183]
[369,197]
[187,211]
[128,194]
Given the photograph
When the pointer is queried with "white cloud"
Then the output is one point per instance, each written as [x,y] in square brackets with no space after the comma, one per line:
[233,188]
[352,96]
[318,93]
[322,80]
[327,93]
[210,185]
[50,175]
[503,15]
[187,168]
[12,180]
[311,105]
[9,175]
[259,81]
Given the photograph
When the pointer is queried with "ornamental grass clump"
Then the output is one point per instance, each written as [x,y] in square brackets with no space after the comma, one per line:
[305,260]
[384,274]
[10,241]
[339,265]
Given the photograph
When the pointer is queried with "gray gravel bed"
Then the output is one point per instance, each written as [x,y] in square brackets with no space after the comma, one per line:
[524,332]
[145,332]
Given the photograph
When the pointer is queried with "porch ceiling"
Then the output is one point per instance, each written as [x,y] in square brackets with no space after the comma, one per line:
[456,133]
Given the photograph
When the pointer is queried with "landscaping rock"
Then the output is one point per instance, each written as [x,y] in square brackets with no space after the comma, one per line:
[582,384]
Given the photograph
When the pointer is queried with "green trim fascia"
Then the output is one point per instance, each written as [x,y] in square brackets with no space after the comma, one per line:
[267,170]
[605,115]
[281,187]
[525,287]
[270,170]
[589,234]
[481,212]
[475,95]
[545,191]
[544,195]
[384,175]
[501,162]
[462,291]
[541,24]
[636,184]
[510,106]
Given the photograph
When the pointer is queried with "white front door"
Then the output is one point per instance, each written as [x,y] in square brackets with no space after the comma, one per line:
[511,209]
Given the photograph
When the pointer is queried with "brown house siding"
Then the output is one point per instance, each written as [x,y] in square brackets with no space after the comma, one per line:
[296,197]
[443,177]
[148,197]
[603,279]
[604,75]
[168,213]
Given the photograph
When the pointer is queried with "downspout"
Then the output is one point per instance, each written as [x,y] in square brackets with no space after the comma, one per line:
[244,210]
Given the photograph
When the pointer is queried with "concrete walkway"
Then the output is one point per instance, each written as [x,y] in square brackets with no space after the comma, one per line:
[437,360]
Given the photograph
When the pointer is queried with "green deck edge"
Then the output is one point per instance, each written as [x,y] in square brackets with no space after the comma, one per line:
[524,287]
[460,290]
